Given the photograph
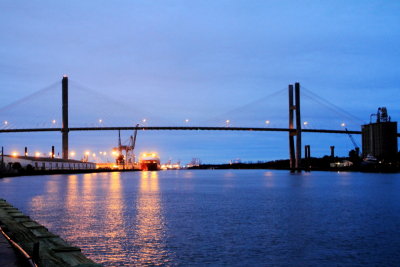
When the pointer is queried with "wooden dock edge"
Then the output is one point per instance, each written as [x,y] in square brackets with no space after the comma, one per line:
[44,247]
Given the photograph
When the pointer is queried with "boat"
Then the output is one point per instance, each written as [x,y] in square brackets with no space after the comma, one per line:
[149,162]
[370,160]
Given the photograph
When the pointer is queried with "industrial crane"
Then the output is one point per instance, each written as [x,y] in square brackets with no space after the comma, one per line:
[129,157]
[356,147]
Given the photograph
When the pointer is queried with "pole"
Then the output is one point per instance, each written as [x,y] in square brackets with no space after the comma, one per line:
[298,126]
[65,128]
[291,133]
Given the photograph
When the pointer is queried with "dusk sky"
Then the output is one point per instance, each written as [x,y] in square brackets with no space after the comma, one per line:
[206,61]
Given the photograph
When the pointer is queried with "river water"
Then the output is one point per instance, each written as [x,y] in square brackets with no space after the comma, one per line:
[219,217]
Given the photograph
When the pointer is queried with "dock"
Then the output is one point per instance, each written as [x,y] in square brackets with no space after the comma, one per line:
[34,242]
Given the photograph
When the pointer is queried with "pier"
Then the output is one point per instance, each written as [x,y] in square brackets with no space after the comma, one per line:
[37,246]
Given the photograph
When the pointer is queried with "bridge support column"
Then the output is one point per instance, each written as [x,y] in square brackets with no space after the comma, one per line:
[65,128]
[307,152]
[2,158]
[294,153]
[291,129]
[298,126]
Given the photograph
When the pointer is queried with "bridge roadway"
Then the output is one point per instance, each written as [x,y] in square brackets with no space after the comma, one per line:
[179,128]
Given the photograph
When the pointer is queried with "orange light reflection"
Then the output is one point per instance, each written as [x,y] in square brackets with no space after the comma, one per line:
[150,222]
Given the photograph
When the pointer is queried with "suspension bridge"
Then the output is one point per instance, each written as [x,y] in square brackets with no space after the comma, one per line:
[295,125]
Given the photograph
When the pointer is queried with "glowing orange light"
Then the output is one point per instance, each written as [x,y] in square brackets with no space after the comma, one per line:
[72,153]
[37,154]
[14,154]
[53,121]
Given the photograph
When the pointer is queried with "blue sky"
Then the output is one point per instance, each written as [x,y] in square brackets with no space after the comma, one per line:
[203,60]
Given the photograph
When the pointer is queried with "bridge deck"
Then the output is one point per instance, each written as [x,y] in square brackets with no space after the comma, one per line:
[178,128]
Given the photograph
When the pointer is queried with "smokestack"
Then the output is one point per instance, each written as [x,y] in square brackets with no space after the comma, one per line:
[307,151]
[332,152]
[65,128]
[26,151]
[52,152]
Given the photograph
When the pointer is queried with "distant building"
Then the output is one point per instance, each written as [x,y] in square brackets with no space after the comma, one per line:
[379,139]
[342,164]
[38,163]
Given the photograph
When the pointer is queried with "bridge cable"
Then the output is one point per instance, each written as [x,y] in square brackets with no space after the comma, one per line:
[249,104]
[316,98]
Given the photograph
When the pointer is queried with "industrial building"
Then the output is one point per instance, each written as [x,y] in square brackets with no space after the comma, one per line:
[38,163]
[379,139]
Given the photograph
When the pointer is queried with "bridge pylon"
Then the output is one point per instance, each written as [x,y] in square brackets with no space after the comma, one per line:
[65,128]
[294,152]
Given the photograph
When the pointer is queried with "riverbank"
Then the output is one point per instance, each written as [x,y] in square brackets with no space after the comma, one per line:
[312,164]
[41,246]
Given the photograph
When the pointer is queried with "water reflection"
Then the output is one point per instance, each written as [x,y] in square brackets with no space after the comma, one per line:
[80,202]
[150,225]
[269,179]
[114,228]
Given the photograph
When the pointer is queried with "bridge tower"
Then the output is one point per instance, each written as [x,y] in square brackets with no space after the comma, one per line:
[65,128]
[294,152]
